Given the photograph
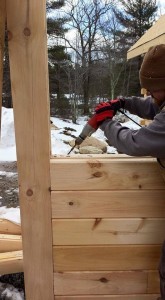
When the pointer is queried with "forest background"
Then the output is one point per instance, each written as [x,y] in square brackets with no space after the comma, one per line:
[88,42]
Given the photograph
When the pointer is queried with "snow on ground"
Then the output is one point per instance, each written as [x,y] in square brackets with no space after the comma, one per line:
[58,138]
[12,214]
[8,291]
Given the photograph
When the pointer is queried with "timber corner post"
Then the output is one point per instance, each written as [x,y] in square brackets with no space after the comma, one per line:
[27,33]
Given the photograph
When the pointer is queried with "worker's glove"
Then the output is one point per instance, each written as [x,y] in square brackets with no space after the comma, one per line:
[104,111]
[117,104]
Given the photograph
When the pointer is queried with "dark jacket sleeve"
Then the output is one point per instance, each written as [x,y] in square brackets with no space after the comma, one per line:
[142,107]
[147,141]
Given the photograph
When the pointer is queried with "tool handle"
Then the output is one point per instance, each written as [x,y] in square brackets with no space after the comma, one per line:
[88,129]
[93,122]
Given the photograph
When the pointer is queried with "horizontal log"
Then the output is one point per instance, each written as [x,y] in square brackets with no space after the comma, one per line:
[153,283]
[108,231]
[11,262]
[105,283]
[9,227]
[10,242]
[105,174]
[106,258]
[109,297]
[107,204]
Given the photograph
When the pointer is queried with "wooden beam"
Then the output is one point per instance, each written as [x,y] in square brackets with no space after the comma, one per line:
[10,242]
[107,258]
[108,204]
[29,77]
[11,262]
[9,227]
[2,37]
[153,36]
[109,297]
[106,283]
[112,231]
[106,174]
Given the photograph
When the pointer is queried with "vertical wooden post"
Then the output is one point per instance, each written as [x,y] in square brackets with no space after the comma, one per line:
[26,21]
[2,36]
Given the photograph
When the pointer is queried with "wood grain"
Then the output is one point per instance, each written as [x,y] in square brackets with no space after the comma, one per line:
[9,227]
[108,204]
[27,32]
[106,174]
[108,231]
[106,258]
[10,242]
[106,283]
[11,262]
[109,297]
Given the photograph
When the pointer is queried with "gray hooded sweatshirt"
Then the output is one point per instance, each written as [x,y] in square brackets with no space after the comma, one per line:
[146,141]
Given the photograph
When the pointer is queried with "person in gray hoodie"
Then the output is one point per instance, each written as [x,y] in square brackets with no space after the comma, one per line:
[149,140]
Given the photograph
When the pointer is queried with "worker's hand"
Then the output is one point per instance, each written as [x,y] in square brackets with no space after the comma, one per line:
[117,103]
[104,111]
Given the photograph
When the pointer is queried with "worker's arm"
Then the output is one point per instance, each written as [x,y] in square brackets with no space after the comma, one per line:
[142,107]
[147,141]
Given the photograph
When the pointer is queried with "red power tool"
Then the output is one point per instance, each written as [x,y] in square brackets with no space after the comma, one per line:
[90,127]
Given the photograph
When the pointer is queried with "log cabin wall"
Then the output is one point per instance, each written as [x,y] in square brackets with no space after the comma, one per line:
[108,220]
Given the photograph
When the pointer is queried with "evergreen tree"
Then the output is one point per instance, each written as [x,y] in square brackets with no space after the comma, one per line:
[59,60]
[135,18]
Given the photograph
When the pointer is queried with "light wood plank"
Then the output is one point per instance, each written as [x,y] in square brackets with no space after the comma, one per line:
[9,227]
[106,258]
[108,231]
[2,37]
[11,262]
[108,204]
[106,174]
[29,77]
[10,242]
[100,283]
[109,297]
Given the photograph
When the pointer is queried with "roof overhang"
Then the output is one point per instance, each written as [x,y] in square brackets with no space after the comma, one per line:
[154,36]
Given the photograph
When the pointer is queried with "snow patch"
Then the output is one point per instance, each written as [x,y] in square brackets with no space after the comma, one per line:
[12,214]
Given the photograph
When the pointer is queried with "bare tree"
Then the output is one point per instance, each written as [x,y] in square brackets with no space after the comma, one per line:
[86,18]
[114,52]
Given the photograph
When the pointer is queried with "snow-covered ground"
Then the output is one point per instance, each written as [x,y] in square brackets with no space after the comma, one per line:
[58,138]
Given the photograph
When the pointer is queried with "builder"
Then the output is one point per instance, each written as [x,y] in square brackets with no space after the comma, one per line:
[146,141]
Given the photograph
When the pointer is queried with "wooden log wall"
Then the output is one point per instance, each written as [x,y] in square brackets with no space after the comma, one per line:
[11,260]
[108,220]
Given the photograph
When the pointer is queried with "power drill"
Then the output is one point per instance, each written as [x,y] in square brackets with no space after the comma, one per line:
[90,127]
